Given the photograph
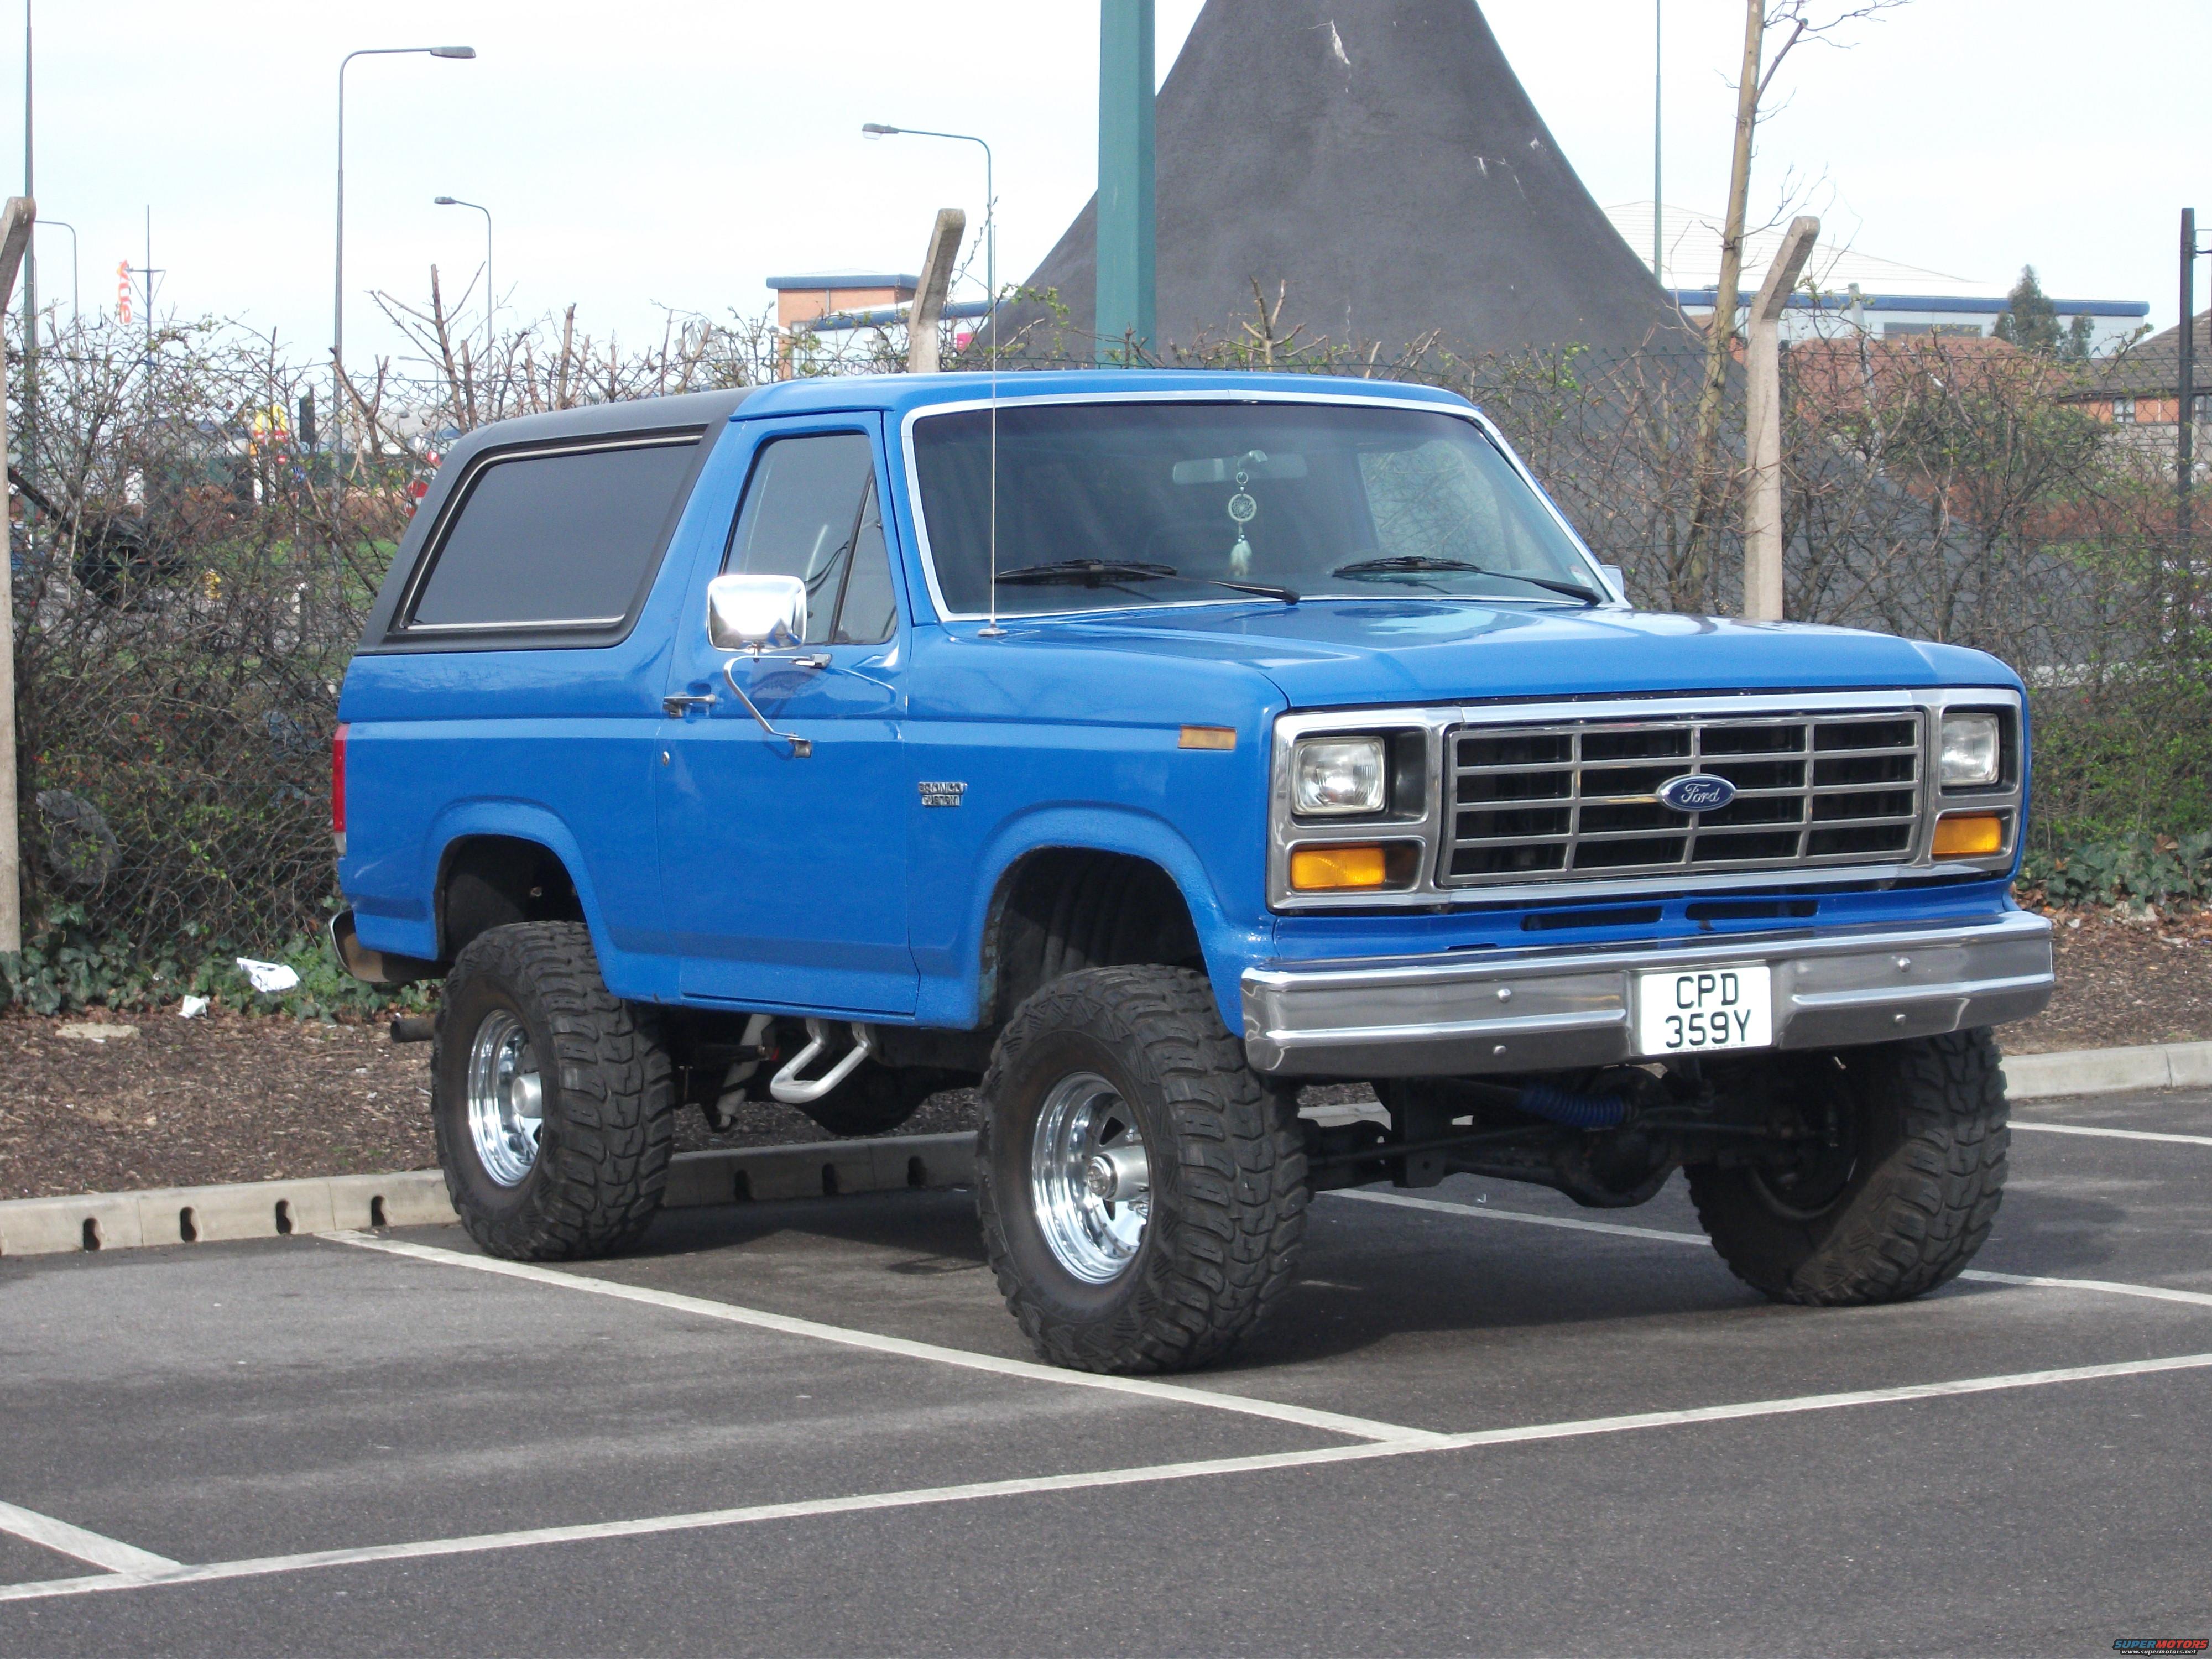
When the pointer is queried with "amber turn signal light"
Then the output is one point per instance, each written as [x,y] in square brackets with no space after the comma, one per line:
[1322,869]
[1969,835]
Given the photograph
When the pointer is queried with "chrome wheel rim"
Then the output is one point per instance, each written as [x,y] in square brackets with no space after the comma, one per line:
[506,1099]
[1090,1184]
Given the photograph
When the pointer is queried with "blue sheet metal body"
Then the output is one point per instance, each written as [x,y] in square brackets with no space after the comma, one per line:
[716,869]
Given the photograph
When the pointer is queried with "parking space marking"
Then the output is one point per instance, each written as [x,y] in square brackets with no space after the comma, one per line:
[1491,1213]
[1146,1475]
[64,1540]
[1363,1428]
[1488,1213]
[2115,1135]
[2109,1286]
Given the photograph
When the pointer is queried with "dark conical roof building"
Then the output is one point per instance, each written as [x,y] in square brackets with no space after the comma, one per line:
[1380,158]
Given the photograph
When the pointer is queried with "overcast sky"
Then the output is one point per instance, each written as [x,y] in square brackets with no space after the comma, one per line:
[677,152]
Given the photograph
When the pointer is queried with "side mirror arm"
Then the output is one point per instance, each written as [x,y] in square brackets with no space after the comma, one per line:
[800,747]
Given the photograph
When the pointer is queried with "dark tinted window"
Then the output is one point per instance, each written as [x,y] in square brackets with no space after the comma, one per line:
[545,541]
[810,512]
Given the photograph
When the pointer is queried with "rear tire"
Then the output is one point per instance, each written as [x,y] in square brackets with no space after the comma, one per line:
[552,1102]
[1135,1062]
[1902,1202]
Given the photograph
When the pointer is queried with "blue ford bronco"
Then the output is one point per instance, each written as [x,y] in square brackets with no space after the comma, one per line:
[1142,748]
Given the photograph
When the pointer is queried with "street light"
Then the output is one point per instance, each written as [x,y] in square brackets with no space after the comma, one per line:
[455,201]
[878,129]
[337,285]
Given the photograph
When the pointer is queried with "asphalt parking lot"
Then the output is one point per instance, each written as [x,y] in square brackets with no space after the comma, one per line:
[1484,1421]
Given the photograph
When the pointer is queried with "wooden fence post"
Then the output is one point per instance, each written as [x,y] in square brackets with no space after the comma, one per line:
[929,297]
[15,237]
[1762,499]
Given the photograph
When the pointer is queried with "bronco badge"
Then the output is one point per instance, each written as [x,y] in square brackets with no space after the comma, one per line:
[1701,791]
[946,794]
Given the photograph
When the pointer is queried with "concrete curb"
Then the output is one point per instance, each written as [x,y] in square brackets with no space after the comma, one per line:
[272,1209]
[416,1198]
[2109,1071]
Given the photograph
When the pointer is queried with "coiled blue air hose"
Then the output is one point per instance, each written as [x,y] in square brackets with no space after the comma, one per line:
[1575,1111]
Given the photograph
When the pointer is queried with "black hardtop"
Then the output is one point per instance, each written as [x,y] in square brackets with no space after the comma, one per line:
[704,411]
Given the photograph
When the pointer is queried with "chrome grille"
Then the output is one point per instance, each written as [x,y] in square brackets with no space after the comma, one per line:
[1531,802]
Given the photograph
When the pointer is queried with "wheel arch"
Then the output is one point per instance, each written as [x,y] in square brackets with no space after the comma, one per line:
[1071,891]
[512,863]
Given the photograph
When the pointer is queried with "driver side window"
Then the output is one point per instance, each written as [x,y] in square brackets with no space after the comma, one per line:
[810,512]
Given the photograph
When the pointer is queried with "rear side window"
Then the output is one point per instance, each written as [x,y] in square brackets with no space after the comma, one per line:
[565,538]
[812,512]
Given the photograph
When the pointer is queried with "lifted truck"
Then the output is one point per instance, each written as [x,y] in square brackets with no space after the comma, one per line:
[1148,745]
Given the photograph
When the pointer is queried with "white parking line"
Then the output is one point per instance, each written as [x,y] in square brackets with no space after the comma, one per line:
[1148,1474]
[66,1539]
[2109,1286]
[1178,1394]
[2115,1135]
[1491,1213]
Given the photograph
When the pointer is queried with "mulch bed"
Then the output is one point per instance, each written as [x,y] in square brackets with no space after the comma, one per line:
[232,1097]
[2123,980]
[229,1097]
[187,1103]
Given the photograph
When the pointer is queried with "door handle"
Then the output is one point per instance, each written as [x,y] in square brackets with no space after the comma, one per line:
[682,703]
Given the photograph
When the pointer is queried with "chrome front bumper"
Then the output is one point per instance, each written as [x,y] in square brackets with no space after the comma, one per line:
[1562,1007]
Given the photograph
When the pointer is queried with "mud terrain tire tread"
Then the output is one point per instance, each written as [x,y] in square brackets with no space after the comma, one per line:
[1229,1208]
[1915,1213]
[610,1101]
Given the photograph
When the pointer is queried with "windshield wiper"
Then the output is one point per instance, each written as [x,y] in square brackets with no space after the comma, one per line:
[1409,564]
[1097,573]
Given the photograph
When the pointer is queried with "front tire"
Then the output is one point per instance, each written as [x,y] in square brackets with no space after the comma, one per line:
[552,1103]
[1896,1202]
[1142,1193]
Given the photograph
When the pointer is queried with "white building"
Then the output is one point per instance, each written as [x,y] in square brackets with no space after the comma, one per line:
[1881,297]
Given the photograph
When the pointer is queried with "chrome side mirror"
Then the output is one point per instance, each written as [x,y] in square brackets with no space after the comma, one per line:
[756,613]
[1617,576]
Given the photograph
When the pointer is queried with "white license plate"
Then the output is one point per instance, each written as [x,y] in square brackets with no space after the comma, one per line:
[1696,1009]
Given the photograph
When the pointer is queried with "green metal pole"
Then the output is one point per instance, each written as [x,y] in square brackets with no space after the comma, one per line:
[1126,247]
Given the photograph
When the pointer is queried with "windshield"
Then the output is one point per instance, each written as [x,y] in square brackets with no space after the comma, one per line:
[1118,504]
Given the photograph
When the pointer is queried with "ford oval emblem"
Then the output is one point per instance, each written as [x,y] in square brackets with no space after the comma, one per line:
[1701,791]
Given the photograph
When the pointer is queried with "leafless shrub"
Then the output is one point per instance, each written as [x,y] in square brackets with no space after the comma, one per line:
[191,574]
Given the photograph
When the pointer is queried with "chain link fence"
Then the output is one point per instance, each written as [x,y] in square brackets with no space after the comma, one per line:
[196,546]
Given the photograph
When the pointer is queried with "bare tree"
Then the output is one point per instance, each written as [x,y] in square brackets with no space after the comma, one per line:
[199,573]
[1790,22]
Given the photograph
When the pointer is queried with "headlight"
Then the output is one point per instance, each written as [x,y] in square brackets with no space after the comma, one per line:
[1334,776]
[1971,750]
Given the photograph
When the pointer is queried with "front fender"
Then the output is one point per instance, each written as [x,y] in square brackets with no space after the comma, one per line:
[952,988]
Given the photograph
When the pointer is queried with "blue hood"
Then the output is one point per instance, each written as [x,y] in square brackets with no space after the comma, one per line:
[1336,654]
